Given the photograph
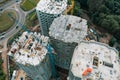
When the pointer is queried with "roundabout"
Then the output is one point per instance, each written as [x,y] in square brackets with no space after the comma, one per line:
[6,22]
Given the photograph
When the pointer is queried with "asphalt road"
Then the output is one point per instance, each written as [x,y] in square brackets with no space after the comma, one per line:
[20,20]
[13,6]
[20,17]
[9,3]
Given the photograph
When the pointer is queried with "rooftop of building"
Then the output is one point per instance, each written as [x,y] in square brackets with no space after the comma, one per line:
[52,6]
[69,28]
[95,61]
[29,48]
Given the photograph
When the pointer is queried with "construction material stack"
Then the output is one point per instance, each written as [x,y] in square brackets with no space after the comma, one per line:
[65,33]
[47,10]
[94,61]
[29,52]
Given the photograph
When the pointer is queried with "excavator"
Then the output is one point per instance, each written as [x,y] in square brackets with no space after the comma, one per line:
[70,8]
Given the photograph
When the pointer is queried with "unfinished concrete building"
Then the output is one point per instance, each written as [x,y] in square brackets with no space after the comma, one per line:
[94,61]
[29,52]
[65,32]
[47,10]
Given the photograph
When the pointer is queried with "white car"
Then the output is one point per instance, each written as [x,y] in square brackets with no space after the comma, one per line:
[2,37]
[0,52]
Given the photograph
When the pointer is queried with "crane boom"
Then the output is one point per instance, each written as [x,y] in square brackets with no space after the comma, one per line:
[70,8]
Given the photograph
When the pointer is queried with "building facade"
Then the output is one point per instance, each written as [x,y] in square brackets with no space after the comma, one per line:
[30,54]
[65,33]
[47,11]
[94,61]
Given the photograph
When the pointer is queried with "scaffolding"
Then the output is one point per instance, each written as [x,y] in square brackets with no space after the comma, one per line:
[32,54]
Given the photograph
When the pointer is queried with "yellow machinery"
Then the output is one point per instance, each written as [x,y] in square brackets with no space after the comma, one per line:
[69,8]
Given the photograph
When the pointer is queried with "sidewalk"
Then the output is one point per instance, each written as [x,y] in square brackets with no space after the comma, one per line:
[5,58]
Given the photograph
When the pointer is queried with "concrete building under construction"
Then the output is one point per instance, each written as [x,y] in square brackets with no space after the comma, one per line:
[65,33]
[29,52]
[94,61]
[47,10]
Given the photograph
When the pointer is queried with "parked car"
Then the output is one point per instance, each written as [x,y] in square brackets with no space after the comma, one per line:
[0,52]
[2,37]
[1,9]
[17,0]
[17,27]
[3,33]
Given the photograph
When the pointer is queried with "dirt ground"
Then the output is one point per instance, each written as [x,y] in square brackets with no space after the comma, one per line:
[99,30]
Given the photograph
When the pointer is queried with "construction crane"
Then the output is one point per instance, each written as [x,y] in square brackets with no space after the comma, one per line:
[70,8]
[54,72]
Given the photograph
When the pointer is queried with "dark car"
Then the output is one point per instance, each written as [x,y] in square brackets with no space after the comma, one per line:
[17,27]
[1,9]
[17,0]
[2,37]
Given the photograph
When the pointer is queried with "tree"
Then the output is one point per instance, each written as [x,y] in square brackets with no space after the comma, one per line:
[117,35]
[94,5]
[83,2]
[69,2]
[110,4]
[114,24]
[112,41]
[103,9]
[1,61]
[105,23]
[104,13]
[77,10]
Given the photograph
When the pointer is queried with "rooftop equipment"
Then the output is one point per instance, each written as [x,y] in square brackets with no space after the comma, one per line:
[94,61]
[33,54]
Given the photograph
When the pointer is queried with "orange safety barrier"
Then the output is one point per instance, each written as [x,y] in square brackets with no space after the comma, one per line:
[88,70]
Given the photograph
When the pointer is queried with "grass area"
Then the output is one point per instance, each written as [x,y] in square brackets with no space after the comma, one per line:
[27,5]
[31,19]
[5,21]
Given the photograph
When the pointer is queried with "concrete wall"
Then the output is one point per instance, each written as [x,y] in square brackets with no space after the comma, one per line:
[64,52]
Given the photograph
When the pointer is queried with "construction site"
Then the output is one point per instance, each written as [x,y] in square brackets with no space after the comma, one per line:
[47,11]
[65,33]
[91,60]
[29,52]
[94,61]
[63,49]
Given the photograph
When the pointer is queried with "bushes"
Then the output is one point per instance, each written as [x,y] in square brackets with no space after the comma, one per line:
[2,74]
[106,13]
[76,10]
[31,19]
[112,41]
